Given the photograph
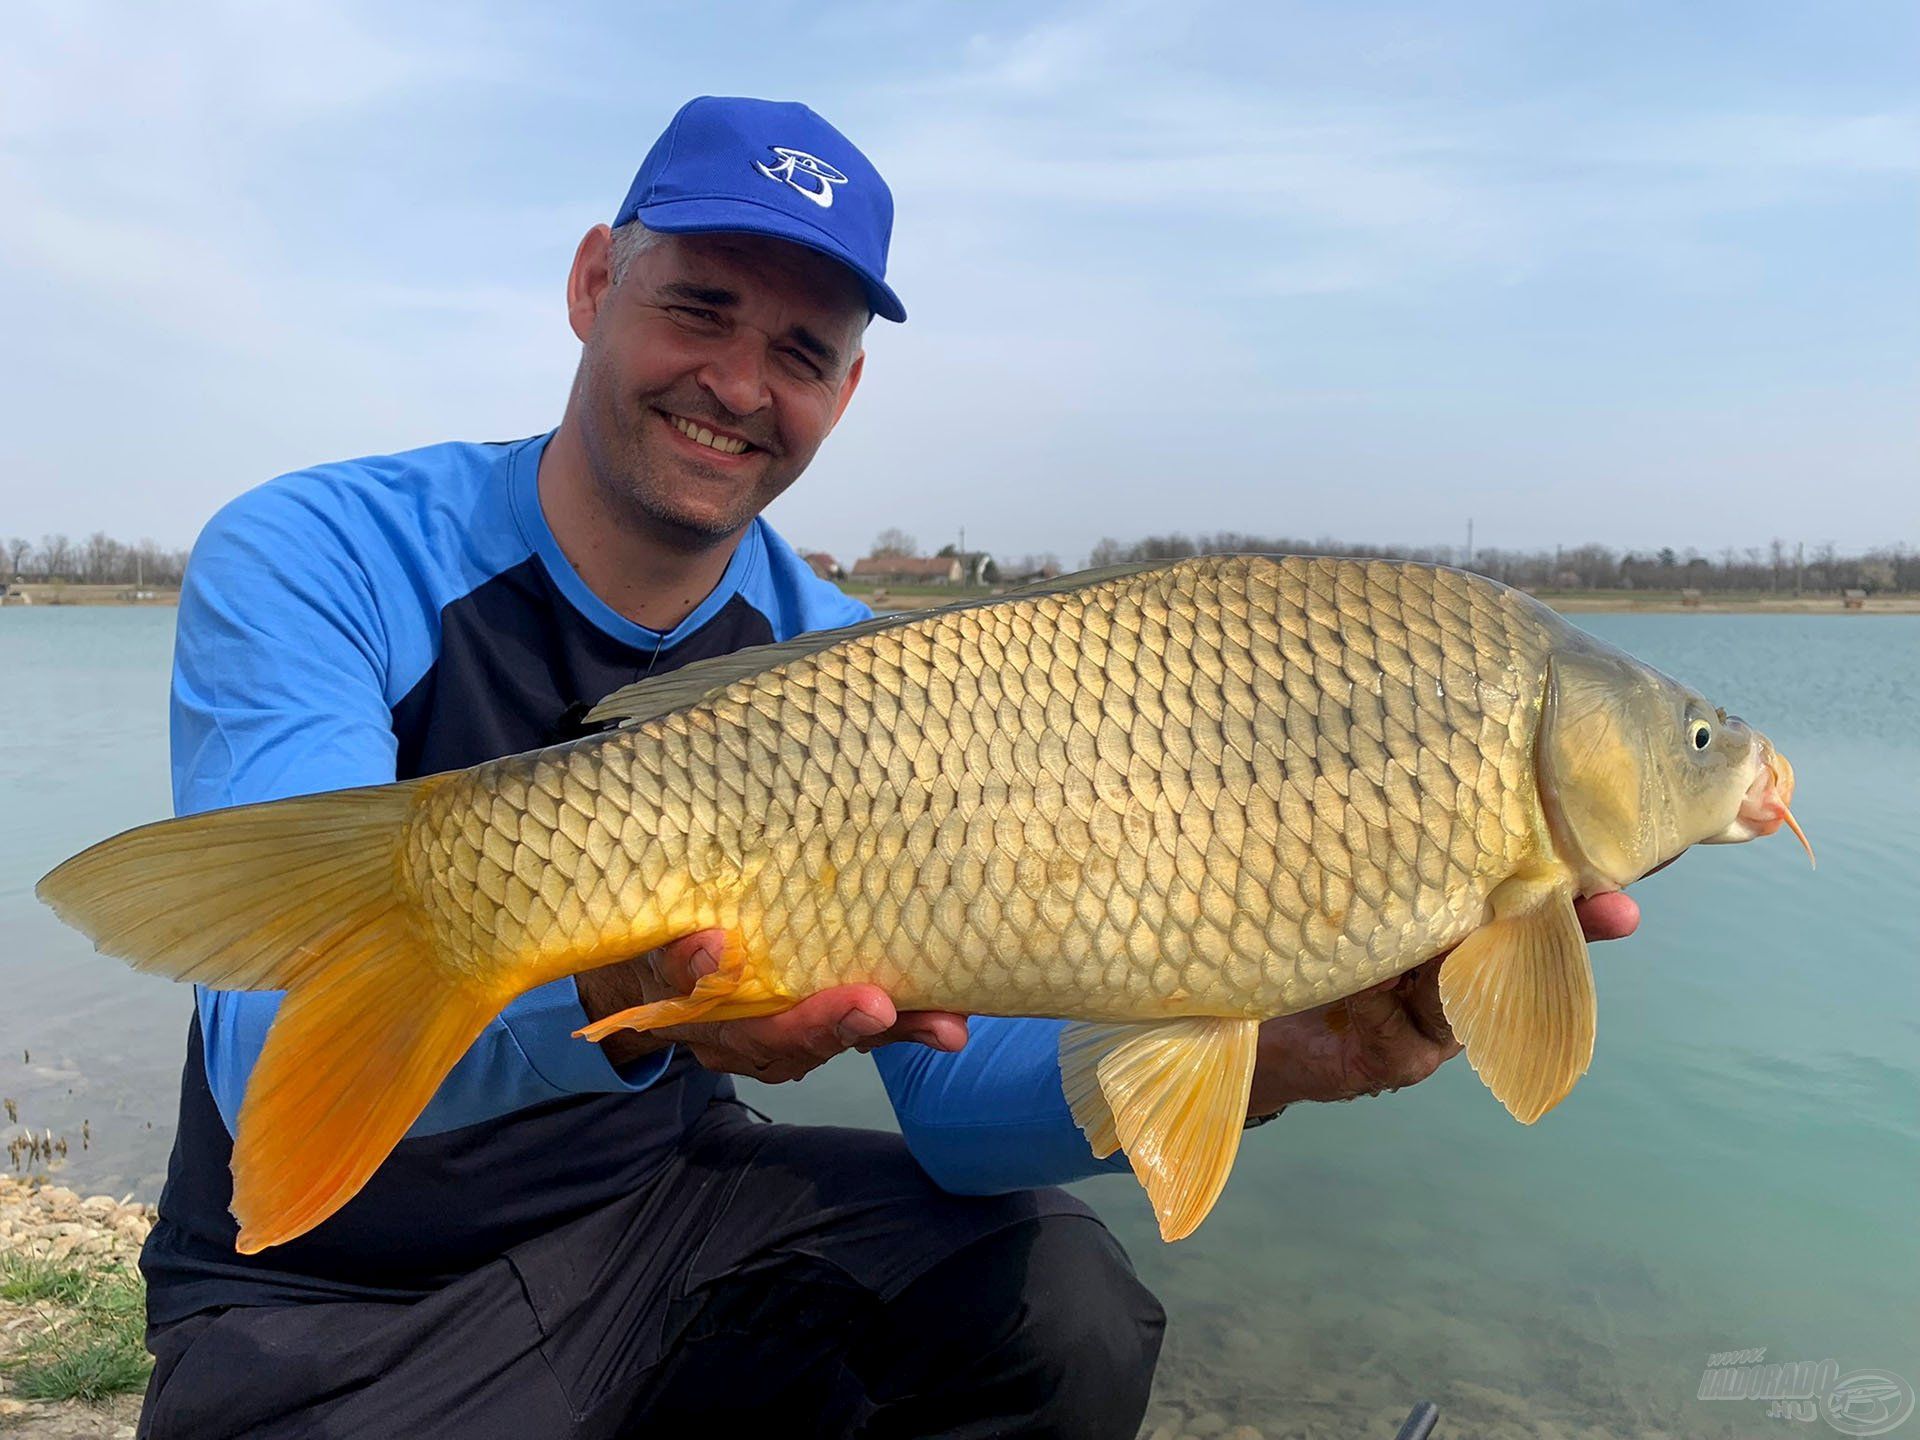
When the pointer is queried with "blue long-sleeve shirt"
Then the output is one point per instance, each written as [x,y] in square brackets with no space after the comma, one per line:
[401,615]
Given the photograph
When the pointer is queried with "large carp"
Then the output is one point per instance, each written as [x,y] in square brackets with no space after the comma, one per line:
[1167,802]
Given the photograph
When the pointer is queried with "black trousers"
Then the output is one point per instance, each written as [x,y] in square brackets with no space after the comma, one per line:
[776,1280]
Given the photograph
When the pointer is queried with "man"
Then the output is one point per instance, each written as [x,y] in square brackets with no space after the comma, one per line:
[580,1240]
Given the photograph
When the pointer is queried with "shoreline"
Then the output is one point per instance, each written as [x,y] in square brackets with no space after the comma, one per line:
[58,1251]
[41,597]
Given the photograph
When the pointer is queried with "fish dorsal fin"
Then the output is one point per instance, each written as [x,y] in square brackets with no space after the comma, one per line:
[659,695]
[1173,1095]
[1518,993]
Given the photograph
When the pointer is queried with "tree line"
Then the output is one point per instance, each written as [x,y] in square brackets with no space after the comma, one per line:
[97,560]
[1782,568]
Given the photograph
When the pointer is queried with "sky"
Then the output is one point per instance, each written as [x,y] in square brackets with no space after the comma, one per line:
[1642,274]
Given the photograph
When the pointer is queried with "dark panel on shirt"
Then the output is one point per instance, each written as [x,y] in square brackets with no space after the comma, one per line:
[518,666]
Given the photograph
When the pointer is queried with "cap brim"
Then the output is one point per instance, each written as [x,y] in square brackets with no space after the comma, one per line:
[718,214]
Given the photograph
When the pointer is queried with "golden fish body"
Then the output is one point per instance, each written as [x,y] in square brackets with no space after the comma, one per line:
[1166,802]
[1235,787]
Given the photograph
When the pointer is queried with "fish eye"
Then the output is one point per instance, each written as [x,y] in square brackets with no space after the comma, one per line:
[1700,733]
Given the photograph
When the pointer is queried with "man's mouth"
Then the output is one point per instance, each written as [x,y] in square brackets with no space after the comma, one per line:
[716,440]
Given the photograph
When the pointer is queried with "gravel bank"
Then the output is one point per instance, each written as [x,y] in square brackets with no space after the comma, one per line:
[51,1222]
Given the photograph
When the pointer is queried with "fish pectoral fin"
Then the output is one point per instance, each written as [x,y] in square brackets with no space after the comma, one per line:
[1518,993]
[1172,1095]
[734,991]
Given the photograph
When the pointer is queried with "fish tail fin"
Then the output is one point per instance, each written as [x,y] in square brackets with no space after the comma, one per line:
[252,898]
[737,990]
[1173,1095]
[308,896]
[352,1059]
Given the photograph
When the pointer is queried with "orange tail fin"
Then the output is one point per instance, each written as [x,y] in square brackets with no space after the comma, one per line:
[304,896]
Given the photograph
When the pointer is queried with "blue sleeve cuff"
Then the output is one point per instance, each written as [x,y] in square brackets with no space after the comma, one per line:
[993,1117]
[542,1023]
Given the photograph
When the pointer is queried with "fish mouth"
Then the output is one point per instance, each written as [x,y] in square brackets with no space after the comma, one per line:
[1764,808]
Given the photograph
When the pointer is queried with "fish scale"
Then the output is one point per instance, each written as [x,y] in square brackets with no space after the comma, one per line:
[1226,787]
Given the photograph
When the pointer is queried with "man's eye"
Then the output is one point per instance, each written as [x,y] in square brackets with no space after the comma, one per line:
[803,362]
[694,315]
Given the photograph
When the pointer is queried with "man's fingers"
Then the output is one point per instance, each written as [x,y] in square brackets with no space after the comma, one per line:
[822,1025]
[936,1029]
[1608,917]
[1420,993]
[680,963]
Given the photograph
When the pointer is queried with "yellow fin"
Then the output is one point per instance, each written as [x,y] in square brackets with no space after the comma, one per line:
[1518,993]
[1173,1096]
[732,992]
[249,898]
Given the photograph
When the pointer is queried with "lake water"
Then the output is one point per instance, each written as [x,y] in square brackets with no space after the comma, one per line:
[1739,1169]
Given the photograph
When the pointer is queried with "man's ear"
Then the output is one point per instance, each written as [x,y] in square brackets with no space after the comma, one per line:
[848,386]
[589,280]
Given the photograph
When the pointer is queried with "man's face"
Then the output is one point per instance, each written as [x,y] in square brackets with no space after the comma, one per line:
[753,340]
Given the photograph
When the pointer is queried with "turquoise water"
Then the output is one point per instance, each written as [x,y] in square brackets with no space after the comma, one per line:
[1738,1170]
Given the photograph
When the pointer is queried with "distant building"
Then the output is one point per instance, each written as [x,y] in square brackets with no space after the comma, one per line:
[977,567]
[909,569]
[824,565]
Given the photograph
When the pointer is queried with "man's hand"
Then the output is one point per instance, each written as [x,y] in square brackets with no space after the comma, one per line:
[772,1048]
[1382,1039]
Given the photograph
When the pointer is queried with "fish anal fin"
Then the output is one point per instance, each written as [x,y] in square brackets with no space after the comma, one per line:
[737,990]
[1172,1095]
[1518,993]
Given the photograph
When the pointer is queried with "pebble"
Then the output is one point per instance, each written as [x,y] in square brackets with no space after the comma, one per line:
[1205,1426]
[53,1221]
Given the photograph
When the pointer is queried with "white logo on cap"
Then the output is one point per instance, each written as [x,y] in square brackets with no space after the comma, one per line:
[795,163]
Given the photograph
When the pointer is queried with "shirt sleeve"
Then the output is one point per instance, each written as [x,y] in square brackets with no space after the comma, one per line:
[280,659]
[992,1117]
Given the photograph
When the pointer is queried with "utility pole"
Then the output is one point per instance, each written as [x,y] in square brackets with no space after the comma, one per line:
[1469,564]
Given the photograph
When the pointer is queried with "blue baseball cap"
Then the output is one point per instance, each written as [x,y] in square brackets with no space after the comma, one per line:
[768,167]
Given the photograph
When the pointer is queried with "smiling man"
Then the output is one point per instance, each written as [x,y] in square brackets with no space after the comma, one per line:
[582,1240]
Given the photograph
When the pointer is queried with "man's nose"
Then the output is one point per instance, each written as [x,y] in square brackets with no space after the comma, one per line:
[735,372]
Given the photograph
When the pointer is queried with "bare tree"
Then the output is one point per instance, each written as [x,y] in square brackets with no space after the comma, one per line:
[895,542]
[56,557]
[100,558]
[16,550]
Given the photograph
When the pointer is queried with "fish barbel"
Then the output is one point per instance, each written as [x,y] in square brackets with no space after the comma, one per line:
[1166,802]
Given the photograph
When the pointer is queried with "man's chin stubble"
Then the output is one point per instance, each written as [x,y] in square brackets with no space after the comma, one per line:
[673,525]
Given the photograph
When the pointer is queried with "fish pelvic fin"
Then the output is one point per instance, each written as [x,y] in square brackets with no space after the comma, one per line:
[1173,1096]
[738,989]
[307,896]
[1518,993]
